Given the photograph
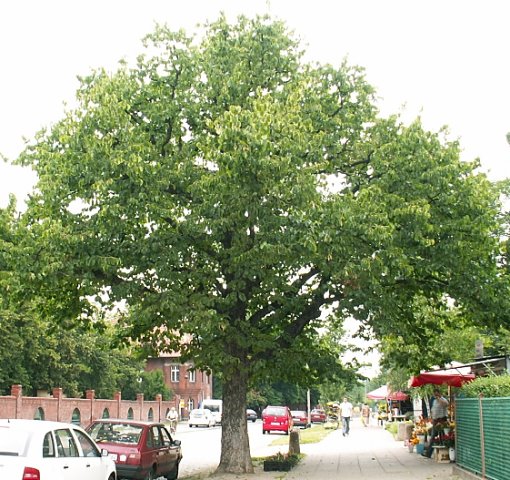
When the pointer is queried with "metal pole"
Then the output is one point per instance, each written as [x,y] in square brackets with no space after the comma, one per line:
[482,435]
[308,405]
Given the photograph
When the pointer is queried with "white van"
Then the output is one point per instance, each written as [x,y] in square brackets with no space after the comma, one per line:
[216,407]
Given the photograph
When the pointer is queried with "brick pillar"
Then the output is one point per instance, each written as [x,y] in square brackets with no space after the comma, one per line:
[91,395]
[139,399]
[17,392]
[117,396]
[159,399]
[57,393]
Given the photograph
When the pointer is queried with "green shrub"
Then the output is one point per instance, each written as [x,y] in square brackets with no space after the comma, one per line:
[392,427]
[492,386]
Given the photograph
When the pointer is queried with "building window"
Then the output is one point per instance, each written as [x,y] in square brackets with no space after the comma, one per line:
[191,405]
[130,415]
[76,418]
[150,415]
[174,373]
[192,376]
[106,413]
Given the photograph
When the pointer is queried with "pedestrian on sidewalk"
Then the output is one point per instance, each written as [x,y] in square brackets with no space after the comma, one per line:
[345,414]
[365,414]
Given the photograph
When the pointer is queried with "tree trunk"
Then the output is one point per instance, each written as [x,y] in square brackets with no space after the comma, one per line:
[294,447]
[235,444]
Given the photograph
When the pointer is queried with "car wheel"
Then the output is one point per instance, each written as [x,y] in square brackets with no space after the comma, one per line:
[150,475]
[173,474]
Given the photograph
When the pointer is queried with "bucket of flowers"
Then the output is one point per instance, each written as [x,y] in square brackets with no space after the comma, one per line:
[412,442]
[421,428]
[449,442]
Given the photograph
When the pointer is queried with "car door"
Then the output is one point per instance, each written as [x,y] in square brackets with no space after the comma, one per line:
[160,451]
[171,455]
[63,455]
[95,467]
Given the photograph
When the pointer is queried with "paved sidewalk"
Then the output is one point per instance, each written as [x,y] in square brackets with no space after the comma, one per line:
[368,453]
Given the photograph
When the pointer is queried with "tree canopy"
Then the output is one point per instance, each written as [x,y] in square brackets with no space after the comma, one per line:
[242,203]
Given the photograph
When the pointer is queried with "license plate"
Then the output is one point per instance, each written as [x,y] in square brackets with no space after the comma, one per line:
[275,423]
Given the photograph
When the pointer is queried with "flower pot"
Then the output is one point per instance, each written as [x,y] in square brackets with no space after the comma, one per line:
[420,448]
[451,454]
[421,438]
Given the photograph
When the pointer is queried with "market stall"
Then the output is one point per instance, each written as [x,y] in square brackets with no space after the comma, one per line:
[444,450]
[392,400]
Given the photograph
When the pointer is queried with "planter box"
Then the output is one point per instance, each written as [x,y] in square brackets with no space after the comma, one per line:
[280,465]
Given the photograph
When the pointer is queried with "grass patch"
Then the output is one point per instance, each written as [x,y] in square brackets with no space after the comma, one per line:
[306,435]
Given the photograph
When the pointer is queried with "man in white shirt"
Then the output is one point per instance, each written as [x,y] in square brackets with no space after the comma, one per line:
[172,416]
[345,413]
[439,414]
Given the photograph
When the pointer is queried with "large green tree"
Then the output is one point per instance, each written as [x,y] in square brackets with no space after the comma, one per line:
[241,202]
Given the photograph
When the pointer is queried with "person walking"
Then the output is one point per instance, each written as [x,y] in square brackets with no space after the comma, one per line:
[345,414]
[439,414]
[365,415]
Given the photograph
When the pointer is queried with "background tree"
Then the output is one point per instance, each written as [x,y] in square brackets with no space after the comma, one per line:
[245,202]
[40,354]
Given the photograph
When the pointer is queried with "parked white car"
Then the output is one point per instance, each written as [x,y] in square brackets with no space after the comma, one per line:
[38,449]
[201,417]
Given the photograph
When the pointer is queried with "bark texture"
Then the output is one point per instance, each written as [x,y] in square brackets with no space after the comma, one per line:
[235,451]
[294,448]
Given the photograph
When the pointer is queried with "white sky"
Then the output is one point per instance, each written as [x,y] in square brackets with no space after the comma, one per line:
[446,60]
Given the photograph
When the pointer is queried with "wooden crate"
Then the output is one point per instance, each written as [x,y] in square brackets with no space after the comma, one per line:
[441,454]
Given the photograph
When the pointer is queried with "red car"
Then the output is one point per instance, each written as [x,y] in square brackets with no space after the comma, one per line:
[317,415]
[276,419]
[300,418]
[141,450]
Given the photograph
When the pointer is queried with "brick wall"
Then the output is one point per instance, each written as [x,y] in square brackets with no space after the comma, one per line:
[81,410]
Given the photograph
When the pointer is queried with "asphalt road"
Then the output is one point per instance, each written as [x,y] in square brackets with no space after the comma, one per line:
[201,447]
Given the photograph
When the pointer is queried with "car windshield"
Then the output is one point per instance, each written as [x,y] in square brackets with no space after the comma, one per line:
[115,433]
[12,442]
